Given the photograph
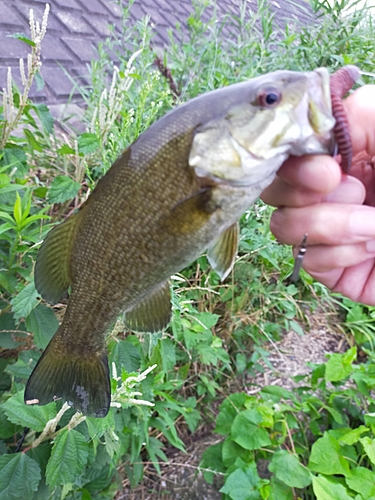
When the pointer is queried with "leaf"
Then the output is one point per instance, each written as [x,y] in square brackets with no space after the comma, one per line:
[229,409]
[23,38]
[62,189]
[369,447]
[44,114]
[39,81]
[88,143]
[33,416]
[362,481]
[34,143]
[43,323]
[280,491]
[326,457]
[288,469]
[352,436]
[168,354]
[127,355]
[68,458]
[19,476]
[246,431]
[25,301]
[7,428]
[329,489]
[154,449]
[242,484]
[65,150]
[339,366]
[17,209]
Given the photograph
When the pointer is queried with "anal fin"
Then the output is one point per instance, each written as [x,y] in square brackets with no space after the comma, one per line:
[52,268]
[222,254]
[153,313]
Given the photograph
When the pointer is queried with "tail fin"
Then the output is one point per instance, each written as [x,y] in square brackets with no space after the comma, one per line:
[82,381]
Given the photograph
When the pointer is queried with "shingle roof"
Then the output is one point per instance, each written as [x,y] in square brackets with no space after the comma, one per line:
[75,26]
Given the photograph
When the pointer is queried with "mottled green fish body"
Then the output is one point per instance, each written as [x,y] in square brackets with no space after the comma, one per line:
[177,191]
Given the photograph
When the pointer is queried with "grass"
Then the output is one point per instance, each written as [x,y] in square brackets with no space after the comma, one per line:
[219,330]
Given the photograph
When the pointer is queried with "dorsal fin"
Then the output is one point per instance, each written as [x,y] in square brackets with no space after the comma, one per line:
[153,313]
[222,254]
[52,267]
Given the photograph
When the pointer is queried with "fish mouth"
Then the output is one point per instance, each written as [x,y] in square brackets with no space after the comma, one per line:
[319,114]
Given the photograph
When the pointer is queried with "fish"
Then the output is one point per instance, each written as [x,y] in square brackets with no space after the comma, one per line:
[179,190]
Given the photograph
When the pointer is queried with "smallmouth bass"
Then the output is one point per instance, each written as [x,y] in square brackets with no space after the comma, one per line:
[177,191]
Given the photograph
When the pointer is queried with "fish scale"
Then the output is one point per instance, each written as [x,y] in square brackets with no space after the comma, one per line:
[178,190]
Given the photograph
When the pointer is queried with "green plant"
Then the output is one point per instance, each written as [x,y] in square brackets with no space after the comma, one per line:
[317,441]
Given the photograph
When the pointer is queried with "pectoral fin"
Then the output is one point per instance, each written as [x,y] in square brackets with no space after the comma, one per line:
[153,313]
[52,268]
[221,255]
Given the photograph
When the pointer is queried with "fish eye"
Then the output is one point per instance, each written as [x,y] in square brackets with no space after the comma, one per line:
[268,98]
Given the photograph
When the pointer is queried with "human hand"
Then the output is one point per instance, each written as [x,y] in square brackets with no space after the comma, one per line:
[336,210]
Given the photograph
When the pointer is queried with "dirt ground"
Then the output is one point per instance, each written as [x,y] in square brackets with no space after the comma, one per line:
[181,478]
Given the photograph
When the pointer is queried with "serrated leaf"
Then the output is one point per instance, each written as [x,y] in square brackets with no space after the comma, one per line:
[68,458]
[362,481]
[25,301]
[43,323]
[326,457]
[242,484]
[168,354]
[127,355]
[7,428]
[369,447]
[154,449]
[329,489]
[19,476]
[97,427]
[339,366]
[34,417]
[88,143]
[288,469]
[246,431]
[62,189]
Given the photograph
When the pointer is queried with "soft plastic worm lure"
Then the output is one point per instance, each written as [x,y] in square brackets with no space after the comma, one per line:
[341,82]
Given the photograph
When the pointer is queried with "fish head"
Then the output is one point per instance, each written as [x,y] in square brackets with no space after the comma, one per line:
[266,120]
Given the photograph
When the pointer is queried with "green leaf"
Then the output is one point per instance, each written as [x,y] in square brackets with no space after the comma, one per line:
[352,436]
[19,476]
[88,143]
[39,81]
[326,457]
[242,484]
[17,209]
[127,355]
[25,301]
[23,38]
[369,447]
[7,428]
[280,491]
[363,481]
[62,189]
[43,323]
[65,150]
[154,449]
[339,366]
[168,354]
[34,416]
[68,458]
[44,115]
[246,431]
[288,469]
[329,489]
[229,409]
[34,143]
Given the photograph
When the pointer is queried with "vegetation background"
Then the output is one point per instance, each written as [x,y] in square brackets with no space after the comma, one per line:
[315,441]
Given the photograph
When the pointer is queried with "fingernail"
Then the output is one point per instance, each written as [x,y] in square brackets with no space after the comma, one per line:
[350,190]
[370,246]
[362,222]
